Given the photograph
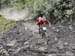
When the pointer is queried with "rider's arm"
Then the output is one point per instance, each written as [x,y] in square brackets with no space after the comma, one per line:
[38,23]
[48,22]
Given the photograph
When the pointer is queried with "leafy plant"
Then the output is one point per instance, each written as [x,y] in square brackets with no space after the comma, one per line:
[63,11]
[55,10]
[6,24]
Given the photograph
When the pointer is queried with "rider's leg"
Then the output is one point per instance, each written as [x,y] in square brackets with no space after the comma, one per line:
[39,29]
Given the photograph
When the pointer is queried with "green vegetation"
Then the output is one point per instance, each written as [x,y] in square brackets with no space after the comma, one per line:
[64,11]
[5,24]
[55,10]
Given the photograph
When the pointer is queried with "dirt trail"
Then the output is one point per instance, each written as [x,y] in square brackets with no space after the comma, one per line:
[22,41]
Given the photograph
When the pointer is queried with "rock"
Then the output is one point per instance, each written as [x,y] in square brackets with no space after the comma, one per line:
[1,35]
[51,55]
[69,53]
[60,45]
[25,28]
[66,43]
[42,48]
[69,12]
[56,39]
[25,43]
[12,43]
[70,27]
[3,52]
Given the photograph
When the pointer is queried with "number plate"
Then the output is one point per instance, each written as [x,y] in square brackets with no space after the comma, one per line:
[44,28]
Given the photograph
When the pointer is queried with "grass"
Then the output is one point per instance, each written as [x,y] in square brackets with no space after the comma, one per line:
[5,25]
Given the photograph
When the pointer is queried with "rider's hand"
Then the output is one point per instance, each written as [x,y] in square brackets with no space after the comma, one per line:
[49,24]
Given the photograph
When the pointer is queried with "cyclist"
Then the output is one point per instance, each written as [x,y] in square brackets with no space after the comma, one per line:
[41,20]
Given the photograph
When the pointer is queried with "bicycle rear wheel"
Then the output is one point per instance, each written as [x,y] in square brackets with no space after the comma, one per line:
[43,35]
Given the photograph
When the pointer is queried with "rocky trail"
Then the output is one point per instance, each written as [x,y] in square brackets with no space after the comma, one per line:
[24,40]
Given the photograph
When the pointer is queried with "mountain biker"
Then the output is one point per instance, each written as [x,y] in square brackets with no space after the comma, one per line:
[41,20]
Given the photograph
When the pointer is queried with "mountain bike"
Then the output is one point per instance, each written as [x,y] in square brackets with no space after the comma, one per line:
[43,30]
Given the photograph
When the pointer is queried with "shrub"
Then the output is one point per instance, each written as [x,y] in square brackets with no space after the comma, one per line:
[55,10]
[5,24]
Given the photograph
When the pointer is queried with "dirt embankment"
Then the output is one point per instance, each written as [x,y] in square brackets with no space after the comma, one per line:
[16,14]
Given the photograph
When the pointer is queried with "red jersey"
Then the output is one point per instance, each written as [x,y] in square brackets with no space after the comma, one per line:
[40,21]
